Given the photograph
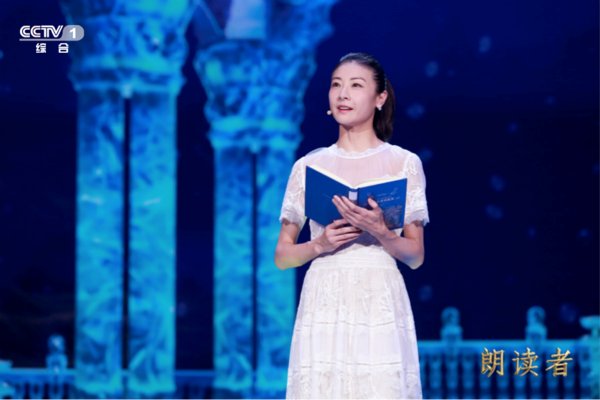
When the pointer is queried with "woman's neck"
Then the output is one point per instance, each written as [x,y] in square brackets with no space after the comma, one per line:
[357,141]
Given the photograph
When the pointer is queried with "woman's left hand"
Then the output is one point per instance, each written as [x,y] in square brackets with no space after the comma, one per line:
[368,220]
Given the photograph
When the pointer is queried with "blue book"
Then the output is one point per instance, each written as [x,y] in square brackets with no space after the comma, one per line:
[322,185]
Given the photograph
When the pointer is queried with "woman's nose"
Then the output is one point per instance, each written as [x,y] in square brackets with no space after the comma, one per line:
[343,93]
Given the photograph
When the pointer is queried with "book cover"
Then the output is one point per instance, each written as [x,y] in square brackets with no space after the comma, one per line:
[322,185]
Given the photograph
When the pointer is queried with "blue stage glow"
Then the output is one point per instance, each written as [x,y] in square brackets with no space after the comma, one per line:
[584,233]
[425,293]
[550,101]
[431,69]
[485,44]
[531,232]
[568,313]
[497,183]
[425,155]
[494,211]
[415,111]
[512,127]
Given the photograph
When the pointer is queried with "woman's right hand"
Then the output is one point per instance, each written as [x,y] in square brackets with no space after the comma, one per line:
[336,234]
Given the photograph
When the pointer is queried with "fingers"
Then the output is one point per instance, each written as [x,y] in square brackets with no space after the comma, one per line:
[350,235]
[350,229]
[340,227]
[337,223]
[345,238]
[335,238]
[373,203]
[347,209]
[344,204]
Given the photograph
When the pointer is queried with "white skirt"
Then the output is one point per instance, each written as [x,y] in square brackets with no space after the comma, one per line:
[354,335]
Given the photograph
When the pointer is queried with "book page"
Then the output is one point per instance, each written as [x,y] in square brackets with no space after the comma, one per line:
[377,181]
[367,183]
[331,175]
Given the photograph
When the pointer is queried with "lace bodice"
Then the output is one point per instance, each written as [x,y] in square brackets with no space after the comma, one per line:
[384,160]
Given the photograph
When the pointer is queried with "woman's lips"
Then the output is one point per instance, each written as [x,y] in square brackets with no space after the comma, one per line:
[344,109]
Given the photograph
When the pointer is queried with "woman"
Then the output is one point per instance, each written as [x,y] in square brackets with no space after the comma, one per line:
[354,335]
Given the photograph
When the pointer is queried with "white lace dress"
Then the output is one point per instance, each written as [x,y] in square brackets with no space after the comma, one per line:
[354,335]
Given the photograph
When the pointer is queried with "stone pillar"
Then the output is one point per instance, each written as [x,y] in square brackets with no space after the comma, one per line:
[227,71]
[288,61]
[276,290]
[153,158]
[99,243]
[255,94]
[131,55]
[233,273]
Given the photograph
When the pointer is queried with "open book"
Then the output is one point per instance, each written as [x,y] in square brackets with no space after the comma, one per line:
[322,185]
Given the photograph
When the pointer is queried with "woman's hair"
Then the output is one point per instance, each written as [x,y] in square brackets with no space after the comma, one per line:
[383,122]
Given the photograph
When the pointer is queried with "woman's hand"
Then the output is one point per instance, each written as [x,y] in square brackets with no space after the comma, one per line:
[367,220]
[290,254]
[336,234]
[409,249]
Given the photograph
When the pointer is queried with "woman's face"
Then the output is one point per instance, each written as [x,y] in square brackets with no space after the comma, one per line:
[353,96]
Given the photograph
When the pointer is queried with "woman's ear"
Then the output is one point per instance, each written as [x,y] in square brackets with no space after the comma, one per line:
[381,98]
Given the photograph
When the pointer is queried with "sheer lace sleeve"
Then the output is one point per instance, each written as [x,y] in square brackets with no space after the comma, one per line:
[416,202]
[292,208]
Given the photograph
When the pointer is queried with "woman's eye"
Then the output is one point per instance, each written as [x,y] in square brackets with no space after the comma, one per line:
[335,84]
[356,85]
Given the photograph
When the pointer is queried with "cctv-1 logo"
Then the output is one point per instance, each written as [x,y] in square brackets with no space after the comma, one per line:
[43,33]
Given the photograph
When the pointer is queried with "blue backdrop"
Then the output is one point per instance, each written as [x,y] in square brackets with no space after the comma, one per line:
[499,98]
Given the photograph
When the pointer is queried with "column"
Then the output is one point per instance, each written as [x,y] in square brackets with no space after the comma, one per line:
[228,71]
[255,87]
[153,174]
[288,63]
[233,273]
[276,290]
[99,244]
[132,54]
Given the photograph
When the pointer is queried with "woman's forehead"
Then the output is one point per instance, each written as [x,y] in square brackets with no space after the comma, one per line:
[352,69]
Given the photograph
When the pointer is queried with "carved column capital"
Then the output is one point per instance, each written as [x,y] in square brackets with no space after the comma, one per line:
[131,47]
